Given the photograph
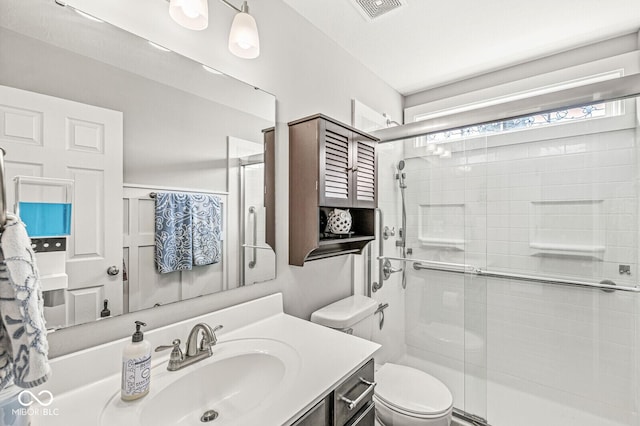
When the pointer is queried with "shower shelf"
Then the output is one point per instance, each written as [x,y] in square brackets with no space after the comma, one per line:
[452,243]
[577,250]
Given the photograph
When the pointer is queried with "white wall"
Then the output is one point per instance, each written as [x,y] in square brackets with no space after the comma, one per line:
[308,73]
[497,83]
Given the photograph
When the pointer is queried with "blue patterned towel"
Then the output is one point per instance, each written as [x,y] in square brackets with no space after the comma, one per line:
[207,229]
[188,230]
[23,334]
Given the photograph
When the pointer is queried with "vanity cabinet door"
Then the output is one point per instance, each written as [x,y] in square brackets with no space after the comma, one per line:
[317,416]
[334,410]
[366,416]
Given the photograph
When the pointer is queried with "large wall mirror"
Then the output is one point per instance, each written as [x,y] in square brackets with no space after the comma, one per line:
[95,122]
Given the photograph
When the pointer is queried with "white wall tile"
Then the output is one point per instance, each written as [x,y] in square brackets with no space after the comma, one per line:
[547,351]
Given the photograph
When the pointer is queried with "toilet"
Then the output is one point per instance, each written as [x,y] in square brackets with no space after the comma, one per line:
[404,396]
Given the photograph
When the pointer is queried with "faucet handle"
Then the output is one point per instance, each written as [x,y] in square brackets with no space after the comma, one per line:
[209,340]
[176,352]
[174,345]
[214,338]
[176,356]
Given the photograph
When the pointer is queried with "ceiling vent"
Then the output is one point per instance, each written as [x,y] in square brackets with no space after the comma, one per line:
[374,9]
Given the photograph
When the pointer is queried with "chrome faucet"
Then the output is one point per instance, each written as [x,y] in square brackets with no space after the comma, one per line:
[193,351]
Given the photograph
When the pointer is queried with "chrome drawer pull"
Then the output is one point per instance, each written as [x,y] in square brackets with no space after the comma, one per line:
[351,404]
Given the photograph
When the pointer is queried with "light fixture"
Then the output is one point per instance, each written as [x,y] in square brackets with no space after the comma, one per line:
[244,41]
[191,14]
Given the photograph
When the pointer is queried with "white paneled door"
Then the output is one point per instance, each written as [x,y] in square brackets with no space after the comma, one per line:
[45,136]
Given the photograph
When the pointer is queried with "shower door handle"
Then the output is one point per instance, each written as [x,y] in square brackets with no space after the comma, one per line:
[254,260]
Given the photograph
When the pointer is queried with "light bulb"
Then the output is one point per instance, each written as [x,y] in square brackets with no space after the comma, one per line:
[244,41]
[190,8]
[191,14]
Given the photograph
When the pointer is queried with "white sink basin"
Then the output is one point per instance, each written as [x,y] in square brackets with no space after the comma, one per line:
[237,382]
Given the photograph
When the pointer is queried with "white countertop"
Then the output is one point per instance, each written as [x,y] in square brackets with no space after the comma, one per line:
[326,358]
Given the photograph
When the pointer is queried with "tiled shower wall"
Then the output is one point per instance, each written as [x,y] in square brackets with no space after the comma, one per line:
[560,201]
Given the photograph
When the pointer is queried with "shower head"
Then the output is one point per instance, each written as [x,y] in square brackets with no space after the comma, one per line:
[400,174]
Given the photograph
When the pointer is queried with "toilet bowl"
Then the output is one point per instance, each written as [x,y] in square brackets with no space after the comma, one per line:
[410,397]
[404,396]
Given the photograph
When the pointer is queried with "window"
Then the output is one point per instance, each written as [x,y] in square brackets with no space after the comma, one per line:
[570,115]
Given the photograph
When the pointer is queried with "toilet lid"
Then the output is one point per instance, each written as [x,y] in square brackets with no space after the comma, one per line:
[412,390]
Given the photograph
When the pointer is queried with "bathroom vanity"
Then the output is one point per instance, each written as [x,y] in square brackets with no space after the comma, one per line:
[267,368]
[350,403]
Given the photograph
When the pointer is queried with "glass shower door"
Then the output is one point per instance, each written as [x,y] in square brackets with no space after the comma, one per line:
[441,303]
[562,205]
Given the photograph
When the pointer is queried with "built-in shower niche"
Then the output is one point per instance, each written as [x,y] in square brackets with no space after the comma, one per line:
[568,228]
[441,226]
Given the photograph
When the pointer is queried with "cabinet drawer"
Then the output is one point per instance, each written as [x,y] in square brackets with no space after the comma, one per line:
[353,394]
[366,416]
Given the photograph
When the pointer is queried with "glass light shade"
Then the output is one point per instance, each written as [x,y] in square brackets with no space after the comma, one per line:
[191,14]
[244,41]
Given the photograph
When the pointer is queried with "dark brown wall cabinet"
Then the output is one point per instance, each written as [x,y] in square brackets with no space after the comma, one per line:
[331,165]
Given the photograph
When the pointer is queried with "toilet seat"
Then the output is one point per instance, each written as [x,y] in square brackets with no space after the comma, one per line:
[412,392]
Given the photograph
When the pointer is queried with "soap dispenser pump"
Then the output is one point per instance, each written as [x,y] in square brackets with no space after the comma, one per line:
[136,366]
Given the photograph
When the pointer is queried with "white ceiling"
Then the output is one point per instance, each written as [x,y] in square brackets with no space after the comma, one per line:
[428,43]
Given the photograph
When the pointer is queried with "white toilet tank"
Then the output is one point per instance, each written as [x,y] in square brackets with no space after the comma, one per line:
[353,315]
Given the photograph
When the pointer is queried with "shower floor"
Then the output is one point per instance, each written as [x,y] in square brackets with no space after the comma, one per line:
[514,402]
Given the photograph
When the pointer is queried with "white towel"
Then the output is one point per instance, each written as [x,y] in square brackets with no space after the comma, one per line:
[23,334]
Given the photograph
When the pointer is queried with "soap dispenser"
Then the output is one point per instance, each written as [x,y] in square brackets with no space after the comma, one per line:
[136,366]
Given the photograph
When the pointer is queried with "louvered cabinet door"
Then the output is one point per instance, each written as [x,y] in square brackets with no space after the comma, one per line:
[364,187]
[336,164]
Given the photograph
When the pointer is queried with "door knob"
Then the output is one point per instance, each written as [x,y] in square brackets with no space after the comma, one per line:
[113,270]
